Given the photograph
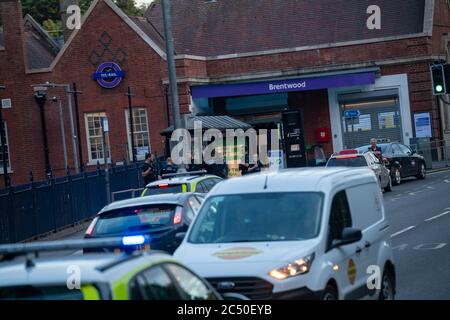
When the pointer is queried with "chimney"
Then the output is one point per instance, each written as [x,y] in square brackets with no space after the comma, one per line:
[13,34]
[63,5]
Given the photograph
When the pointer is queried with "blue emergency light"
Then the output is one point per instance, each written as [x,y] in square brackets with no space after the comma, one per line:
[138,240]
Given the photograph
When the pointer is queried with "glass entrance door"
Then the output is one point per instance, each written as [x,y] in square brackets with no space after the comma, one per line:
[363,120]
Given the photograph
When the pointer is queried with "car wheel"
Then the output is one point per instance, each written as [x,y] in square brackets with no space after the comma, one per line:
[422,172]
[389,185]
[330,293]
[387,291]
[397,176]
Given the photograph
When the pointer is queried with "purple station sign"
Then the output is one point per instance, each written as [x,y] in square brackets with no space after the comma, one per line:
[279,86]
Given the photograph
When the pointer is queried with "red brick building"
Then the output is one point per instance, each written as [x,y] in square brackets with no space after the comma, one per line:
[319,57]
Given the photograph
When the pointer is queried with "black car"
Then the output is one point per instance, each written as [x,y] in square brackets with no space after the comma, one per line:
[160,217]
[402,161]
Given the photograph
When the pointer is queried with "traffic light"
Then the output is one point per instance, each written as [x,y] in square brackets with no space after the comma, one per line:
[438,79]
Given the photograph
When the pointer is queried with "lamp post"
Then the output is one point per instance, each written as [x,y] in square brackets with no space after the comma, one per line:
[72,126]
[80,148]
[172,70]
[105,130]
[41,97]
[171,63]
[3,144]
[130,114]
[63,131]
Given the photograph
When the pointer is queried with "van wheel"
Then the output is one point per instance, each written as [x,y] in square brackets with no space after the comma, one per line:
[389,186]
[330,293]
[387,291]
[422,172]
[397,177]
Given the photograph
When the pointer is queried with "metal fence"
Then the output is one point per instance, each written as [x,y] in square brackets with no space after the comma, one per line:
[38,208]
[436,152]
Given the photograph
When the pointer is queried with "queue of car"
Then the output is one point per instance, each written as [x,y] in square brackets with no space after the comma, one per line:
[294,234]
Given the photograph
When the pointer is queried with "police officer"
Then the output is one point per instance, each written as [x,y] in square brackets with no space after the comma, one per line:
[149,170]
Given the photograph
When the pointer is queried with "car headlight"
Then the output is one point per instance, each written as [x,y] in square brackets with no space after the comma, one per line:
[299,266]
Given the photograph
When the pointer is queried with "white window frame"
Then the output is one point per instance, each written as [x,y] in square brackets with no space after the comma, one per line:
[127,122]
[93,162]
[4,101]
[9,150]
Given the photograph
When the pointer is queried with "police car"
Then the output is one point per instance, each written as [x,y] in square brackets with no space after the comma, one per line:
[47,271]
[196,181]
[313,233]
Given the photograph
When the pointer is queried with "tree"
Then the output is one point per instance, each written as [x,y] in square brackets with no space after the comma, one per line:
[41,10]
[46,12]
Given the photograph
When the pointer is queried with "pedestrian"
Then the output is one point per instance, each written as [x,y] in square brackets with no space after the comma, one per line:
[169,167]
[254,167]
[149,169]
[192,166]
[376,149]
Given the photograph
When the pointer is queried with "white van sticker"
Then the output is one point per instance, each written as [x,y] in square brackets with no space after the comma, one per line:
[237,253]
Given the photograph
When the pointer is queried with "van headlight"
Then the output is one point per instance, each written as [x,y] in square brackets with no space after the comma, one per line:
[299,266]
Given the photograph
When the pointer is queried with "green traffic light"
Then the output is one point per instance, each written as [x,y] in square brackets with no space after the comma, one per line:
[439,88]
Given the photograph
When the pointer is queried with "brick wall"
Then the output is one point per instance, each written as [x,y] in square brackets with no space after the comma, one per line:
[146,70]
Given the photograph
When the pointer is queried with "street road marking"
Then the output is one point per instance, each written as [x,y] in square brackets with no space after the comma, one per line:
[438,216]
[401,231]
[430,246]
[437,172]
[447,181]
[400,247]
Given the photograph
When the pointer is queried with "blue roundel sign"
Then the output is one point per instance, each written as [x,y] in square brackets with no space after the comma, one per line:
[109,75]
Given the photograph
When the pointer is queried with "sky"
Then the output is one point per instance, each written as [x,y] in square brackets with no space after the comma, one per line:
[139,2]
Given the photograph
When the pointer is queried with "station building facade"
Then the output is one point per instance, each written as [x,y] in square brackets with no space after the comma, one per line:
[256,61]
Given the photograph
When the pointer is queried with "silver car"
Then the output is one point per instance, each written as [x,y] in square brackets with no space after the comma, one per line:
[353,158]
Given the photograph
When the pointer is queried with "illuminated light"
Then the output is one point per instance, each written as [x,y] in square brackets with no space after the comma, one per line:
[277,275]
[347,157]
[336,267]
[133,240]
[91,227]
[178,215]
[163,185]
[439,88]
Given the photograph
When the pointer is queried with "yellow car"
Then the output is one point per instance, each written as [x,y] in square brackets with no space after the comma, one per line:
[182,182]
[129,274]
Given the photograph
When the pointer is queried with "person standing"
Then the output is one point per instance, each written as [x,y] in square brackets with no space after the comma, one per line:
[376,149]
[169,167]
[148,169]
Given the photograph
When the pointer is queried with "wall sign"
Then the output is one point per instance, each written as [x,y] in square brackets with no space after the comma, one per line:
[279,86]
[422,123]
[109,75]
[352,113]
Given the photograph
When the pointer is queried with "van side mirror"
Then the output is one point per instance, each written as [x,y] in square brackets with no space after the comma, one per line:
[179,237]
[349,235]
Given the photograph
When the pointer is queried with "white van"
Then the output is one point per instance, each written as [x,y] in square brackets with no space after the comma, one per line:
[308,233]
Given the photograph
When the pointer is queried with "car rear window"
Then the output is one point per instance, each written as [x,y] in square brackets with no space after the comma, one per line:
[39,293]
[163,189]
[134,219]
[358,161]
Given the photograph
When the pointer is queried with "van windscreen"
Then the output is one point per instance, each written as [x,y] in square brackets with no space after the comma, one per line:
[258,218]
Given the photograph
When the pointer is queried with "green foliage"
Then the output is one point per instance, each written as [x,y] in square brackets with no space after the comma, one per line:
[54,28]
[43,10]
